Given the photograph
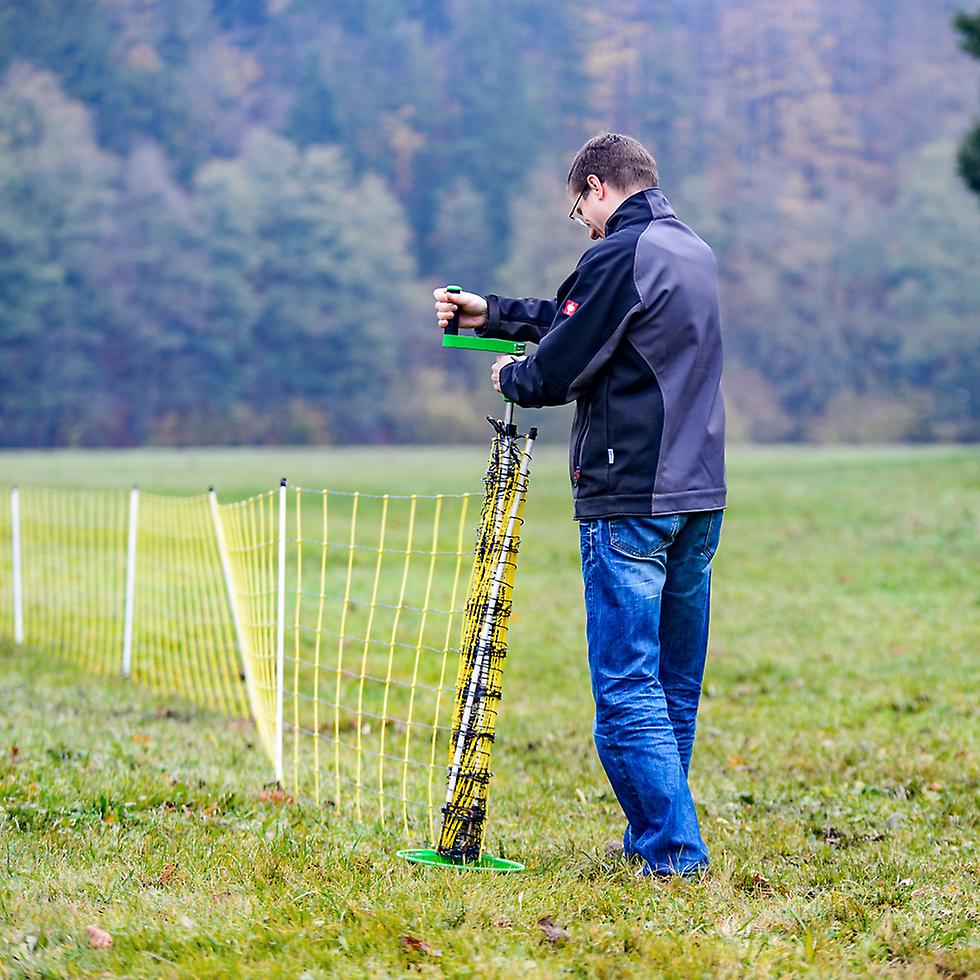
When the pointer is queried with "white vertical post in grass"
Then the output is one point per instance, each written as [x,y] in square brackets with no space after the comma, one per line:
[18,578]
[280,626]
[127,664]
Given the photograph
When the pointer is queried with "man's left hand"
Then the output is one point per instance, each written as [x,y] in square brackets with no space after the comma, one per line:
[498,364]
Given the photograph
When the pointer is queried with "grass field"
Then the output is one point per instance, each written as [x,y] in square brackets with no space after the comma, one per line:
[836,770]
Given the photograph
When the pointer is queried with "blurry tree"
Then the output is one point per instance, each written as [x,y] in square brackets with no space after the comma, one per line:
[227,211]
[155,282]
[56,193]
[238,169]
[968,160]
[319,263]
[933,237]
[546,246]
[123,60]
[461,239]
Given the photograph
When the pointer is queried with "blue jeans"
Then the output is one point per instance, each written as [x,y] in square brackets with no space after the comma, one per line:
[647,589]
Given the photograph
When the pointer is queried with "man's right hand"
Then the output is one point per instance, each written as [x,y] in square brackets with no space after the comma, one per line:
[469,308]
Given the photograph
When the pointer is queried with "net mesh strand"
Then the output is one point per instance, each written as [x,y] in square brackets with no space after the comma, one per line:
[483,648]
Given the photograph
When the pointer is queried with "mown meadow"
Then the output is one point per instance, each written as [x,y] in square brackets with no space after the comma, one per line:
[836,769]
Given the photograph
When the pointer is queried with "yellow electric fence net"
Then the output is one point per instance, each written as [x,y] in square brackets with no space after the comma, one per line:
[483,648]
[73,561]
[183,632]
[74,554]
[335,619]
[374,600]
[249,532]
[6,568]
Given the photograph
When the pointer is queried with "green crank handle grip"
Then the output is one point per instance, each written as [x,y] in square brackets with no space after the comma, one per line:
[452,328]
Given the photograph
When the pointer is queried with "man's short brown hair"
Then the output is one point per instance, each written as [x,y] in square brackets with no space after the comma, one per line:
[615,159]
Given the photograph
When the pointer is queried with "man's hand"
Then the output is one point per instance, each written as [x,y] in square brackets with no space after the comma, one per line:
[498,364]
[470,308]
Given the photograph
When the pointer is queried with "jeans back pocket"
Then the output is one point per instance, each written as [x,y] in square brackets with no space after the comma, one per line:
[643,537]
[711,534]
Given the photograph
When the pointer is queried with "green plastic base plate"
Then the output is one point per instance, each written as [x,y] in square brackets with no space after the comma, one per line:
[435,860]
[492,344]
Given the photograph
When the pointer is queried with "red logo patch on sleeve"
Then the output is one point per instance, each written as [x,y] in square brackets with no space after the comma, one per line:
[570,307]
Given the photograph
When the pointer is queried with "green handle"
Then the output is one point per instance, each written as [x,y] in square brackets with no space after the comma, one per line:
[451,337]
[453,328]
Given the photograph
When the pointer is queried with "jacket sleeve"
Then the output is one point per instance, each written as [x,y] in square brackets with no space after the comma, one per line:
[518,319]
[592,312]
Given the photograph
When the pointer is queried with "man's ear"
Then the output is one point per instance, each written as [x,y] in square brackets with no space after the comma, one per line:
[596,186]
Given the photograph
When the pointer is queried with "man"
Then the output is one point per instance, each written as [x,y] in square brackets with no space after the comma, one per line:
[634,338]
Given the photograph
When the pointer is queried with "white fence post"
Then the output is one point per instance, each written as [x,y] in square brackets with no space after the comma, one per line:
[280,627]
[127,664]
[18,577]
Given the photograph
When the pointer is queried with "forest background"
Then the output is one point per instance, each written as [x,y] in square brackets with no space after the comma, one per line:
[220,222]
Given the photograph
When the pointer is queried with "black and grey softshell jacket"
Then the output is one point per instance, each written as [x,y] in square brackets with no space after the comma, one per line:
[634,338]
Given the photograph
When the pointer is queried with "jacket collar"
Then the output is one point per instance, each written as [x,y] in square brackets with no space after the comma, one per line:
[645,206]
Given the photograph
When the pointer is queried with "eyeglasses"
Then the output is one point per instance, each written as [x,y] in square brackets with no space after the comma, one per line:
[573,215]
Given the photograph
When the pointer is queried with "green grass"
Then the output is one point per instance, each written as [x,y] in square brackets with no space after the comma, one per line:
[836,767]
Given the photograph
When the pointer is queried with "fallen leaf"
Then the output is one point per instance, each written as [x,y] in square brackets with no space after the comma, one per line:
[277,796]
[14,751]
[164,877]
[417,945]
[140,739]
[551,929]
[98,938]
